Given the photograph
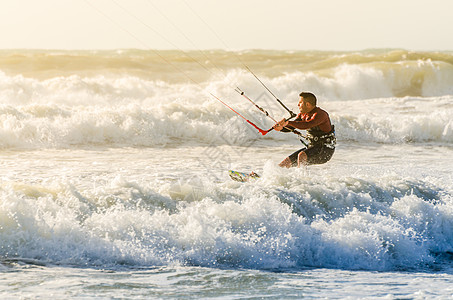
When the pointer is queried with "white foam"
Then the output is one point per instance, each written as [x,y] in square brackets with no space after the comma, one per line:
[73,111]
[287,219]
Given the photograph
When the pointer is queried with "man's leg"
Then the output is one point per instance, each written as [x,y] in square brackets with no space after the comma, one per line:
[292,160]
[302,159]
[286,163]
[315,156]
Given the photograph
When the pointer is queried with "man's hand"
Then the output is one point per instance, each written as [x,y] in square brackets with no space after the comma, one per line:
[279,126]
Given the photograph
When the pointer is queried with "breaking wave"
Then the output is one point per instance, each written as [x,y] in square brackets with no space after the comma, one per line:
[284,220]
[62,99]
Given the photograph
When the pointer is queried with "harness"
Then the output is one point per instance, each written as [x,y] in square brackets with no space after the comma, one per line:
[317,137]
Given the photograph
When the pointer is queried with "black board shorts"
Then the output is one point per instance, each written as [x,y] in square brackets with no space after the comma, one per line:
[316,155]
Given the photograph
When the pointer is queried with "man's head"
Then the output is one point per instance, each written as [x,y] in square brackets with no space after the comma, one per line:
[307,102]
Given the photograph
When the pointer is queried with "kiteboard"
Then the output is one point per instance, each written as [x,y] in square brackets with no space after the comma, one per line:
[242,177]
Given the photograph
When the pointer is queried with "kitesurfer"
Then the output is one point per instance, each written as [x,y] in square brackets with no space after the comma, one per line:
[321,133]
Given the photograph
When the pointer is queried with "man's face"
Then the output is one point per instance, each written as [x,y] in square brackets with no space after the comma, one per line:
[304,106]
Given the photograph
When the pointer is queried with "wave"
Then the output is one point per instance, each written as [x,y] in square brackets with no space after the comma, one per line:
[283,221]
[364,74]
[61,99]
[153,123]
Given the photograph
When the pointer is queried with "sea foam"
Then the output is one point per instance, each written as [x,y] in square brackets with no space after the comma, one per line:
[73,111]
[281,221]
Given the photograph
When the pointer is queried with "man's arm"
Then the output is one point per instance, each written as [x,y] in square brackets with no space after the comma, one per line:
[316,119]
[280,126]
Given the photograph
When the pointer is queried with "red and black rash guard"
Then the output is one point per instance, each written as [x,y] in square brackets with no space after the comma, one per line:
[315,122]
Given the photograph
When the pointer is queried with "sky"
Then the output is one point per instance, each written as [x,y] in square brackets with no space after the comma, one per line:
[343,25]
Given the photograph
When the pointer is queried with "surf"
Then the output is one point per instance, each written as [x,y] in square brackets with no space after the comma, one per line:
[282,220]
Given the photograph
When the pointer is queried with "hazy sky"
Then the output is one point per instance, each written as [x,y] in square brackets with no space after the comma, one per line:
[240,24]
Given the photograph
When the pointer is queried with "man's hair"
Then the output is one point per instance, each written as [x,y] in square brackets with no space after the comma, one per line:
[309,97]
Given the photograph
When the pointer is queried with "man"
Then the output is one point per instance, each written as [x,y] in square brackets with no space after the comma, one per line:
[321,133]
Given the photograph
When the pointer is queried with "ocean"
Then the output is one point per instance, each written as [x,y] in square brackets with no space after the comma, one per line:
[114,182]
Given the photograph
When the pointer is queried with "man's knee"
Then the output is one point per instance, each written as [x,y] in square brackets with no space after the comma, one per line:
[302,159]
